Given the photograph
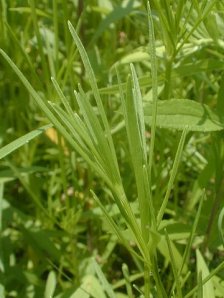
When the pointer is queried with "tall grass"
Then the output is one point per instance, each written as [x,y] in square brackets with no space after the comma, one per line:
[141,218]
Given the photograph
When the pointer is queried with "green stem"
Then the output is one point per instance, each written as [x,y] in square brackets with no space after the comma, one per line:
[214,212]
[45,69]
[147,273]
[56,39]
[4,19]
[161,293]
[168,74]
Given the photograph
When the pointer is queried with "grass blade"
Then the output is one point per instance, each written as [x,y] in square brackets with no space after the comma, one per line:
[200,286]
[127,280]
[107,287]
[206,279]
[14,145]
[220,223]
[174,267]
[172,176]
[95,90]
[208,288]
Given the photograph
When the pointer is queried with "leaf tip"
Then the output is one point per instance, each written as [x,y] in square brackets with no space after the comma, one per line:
[70,27]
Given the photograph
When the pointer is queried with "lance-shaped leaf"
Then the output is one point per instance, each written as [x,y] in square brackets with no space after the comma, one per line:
[179,113]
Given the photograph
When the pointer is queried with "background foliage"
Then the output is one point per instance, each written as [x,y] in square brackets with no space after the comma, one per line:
[52,228]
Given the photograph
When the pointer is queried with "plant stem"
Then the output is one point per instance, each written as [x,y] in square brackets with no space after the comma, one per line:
[161,293]
[147,273]
[39,37]
[214,211]
[168,73]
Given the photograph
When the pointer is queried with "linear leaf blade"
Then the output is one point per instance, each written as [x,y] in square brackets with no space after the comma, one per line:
[16,144]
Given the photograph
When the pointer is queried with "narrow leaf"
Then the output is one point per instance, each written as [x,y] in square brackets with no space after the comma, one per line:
[107,287]
[173,174]
[6,150]
[50,285]
[220,225]
[174,266]
[208,288]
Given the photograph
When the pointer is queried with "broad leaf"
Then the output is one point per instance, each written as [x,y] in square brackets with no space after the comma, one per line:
[179,113]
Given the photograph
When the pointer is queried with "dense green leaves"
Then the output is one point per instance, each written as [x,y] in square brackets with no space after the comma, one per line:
[76,206]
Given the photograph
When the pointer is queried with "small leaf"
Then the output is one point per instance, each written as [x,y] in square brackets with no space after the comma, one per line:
[50,285]
[90,288]
[208,288]
[105,284]
[179,113]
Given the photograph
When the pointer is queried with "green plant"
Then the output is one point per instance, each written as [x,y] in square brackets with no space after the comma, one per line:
[138,220]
